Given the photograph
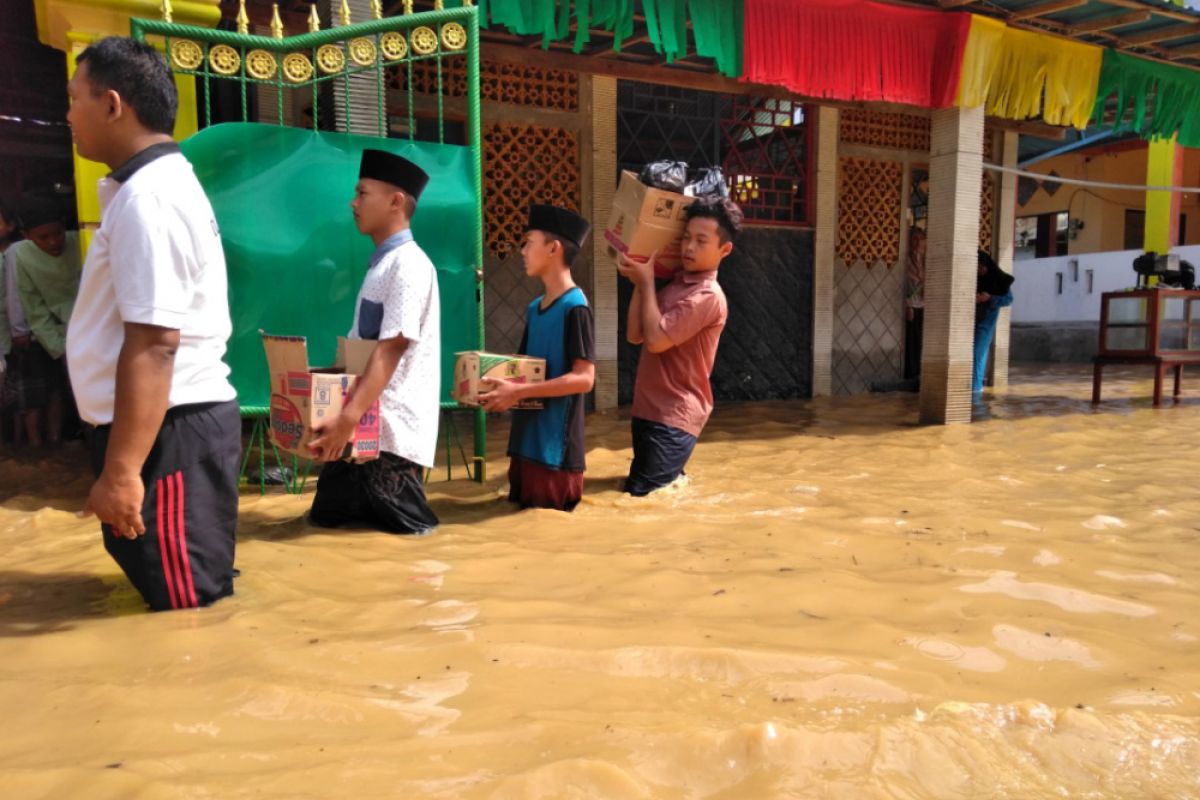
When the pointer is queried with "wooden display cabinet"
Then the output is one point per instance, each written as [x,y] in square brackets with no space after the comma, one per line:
[1154,326]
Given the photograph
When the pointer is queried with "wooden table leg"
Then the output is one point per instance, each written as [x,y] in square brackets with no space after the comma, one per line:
[1096,379]
[1158,381]
[1178,378]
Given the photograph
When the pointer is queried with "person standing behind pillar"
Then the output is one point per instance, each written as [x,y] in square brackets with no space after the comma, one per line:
[914,304]
[46,269]
[679,329]
[12,323]
[993,291]
[146,341]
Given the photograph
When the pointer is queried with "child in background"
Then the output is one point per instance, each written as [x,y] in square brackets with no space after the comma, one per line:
[46,269]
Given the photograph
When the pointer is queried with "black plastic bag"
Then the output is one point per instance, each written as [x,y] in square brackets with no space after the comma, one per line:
[709,182]
[667,175]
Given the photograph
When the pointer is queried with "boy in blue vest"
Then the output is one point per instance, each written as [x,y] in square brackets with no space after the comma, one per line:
[546,445]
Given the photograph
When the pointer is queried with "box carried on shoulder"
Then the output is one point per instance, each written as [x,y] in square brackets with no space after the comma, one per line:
[645,220]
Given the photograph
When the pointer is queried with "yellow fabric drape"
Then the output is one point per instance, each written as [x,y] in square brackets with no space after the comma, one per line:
[1018,74]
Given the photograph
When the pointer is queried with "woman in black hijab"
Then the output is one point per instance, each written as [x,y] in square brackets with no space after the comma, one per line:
[993,291]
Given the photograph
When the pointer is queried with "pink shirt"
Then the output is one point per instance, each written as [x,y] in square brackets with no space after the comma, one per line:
[672,387]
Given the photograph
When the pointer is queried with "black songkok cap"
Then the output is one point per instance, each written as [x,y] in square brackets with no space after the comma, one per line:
[400,172]
[38,210]
[560,222]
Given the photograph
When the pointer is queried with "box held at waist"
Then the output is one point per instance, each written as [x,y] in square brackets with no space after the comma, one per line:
[472,367]
[303,396]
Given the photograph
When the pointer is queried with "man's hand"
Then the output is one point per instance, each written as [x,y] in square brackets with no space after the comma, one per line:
[639,273]
[501,396]
[21,342]
[332,436]
[117,501]
[982,297]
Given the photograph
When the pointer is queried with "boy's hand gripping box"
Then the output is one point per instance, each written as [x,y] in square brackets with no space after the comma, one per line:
[473,366]
[645,220]
[302,397]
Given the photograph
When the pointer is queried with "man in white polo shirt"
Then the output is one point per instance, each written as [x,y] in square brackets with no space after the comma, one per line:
[147,336]
[398,307]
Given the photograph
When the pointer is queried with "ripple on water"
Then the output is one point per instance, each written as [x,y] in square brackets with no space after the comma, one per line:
[1066,598]
[767,631]
[1033,646]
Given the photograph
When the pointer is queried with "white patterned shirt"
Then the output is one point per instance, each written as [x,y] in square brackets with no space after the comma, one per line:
[399,297]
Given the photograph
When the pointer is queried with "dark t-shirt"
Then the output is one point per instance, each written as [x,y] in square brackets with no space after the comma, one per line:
[564,333]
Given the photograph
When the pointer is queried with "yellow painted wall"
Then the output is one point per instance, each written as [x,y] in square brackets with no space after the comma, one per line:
[1103,210]
[70,25]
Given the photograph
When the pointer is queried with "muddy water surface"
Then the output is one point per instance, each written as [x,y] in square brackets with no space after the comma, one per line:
[838,604]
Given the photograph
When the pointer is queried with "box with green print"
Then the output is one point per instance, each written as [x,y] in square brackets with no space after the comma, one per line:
[472,367]
[303,397]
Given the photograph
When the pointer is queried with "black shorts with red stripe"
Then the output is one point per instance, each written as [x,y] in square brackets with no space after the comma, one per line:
[185,558]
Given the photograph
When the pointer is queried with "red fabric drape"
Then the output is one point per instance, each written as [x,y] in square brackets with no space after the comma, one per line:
[855,50]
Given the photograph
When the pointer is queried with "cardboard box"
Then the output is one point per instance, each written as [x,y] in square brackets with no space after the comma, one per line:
[643,220]
[304,396]
[472,366]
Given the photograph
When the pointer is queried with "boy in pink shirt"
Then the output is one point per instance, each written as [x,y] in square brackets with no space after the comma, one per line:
[679,328]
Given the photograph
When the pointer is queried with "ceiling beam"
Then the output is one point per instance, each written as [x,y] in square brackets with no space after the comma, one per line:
[1162,34]
[1029,128]
[1163,11]
[615,68]
[954,3]
[1187,51]
[1108,23]
[1042,9]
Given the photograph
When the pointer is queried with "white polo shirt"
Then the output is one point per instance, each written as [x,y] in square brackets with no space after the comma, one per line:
[156,259]
[399,297]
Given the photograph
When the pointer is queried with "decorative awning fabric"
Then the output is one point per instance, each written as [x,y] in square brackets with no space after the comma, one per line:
[1018,74]
[869,51]
[855,50]
[716,24]
[1156,101]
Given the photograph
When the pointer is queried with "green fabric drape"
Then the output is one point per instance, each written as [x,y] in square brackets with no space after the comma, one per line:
[717,29]
[1154,100]
[611,15]
[716,24]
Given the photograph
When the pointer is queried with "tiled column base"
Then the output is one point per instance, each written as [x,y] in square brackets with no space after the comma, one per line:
[955,180]
[604,270]
[825,241]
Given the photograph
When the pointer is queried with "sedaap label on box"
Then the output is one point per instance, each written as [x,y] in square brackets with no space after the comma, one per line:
[302,397]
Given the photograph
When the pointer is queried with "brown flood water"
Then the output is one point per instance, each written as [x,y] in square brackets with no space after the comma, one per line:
[839,604]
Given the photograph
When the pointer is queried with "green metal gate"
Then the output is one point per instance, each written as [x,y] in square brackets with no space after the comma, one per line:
[280,192]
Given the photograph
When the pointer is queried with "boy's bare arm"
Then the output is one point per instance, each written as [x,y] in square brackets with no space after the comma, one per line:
[504,394]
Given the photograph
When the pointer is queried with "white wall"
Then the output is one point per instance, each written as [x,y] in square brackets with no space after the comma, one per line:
[1035,292]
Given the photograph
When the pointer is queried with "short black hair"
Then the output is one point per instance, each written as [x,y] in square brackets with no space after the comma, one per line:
[570,250]
[39,209]
[727,213]
[9,214]
[136,72]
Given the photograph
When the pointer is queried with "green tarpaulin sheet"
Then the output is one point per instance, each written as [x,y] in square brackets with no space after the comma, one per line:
[295,259]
